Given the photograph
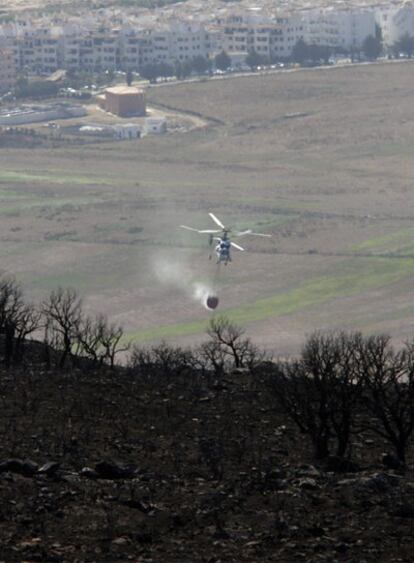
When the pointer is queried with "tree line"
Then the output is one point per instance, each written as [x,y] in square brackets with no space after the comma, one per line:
[341,384]
[302,53]
[60,324]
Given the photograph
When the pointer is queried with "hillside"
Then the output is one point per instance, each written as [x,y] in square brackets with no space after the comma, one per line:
[161,462]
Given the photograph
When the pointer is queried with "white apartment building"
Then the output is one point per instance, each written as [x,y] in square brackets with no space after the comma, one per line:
[99,51]
[273,39]
[131,47]
[10,42]
[176,41]
[395,22]
[7,70]
[130,43]
[345,29]
[35,49]
[293,30]
[71,47]
[40,49]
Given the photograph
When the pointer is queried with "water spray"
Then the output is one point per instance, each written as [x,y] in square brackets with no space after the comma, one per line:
[205,295]
[178,275]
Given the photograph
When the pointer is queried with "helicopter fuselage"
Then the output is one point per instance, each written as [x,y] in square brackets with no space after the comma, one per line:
[222,250]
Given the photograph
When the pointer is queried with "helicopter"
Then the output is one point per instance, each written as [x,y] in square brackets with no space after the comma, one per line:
[224,244]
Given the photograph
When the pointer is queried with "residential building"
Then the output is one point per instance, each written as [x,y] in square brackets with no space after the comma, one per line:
[111,40]
[7,70]
[273,40]
[40,50]
[99,51]
[339,29]
[395,21]
[175,41]
[131,50]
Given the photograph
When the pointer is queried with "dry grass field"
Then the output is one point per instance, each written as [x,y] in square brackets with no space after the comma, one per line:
[321,159]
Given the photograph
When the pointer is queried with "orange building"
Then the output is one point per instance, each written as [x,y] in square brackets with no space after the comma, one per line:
[7,70]
[123,101]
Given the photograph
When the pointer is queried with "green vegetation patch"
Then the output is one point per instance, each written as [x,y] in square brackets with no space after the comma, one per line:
[82,281]
[7,195]
[57,177]
[48,203]
[90,274]
[267,222]
[393,242]
[351,277]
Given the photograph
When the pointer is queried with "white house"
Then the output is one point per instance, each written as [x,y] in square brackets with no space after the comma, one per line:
[124,131]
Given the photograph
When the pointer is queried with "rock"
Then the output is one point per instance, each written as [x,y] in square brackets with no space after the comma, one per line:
[67,477]
[377,483]
[308,471]
[49,468]
[13,465]
[141,506]
[120,541]
[383,482]
[391,461]
[89,473]
[113,470]
[29,468]
[25,467]
[308,484]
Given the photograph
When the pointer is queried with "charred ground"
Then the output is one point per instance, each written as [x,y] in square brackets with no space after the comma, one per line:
[166,463]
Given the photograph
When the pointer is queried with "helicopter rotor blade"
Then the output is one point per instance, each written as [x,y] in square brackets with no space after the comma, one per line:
[204,231]
[217,221]
[237,246]
[189,228]
[250,232]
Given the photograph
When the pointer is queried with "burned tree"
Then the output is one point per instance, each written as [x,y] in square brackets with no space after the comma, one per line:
[319,392]
[17,319]
[230,339]
[389,395]
[99,340]
[62,314]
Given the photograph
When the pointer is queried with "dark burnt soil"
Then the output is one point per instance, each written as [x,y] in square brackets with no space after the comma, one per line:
[183,469]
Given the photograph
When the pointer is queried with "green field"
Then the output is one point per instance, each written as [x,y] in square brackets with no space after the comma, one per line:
[333,187]
[352,277]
